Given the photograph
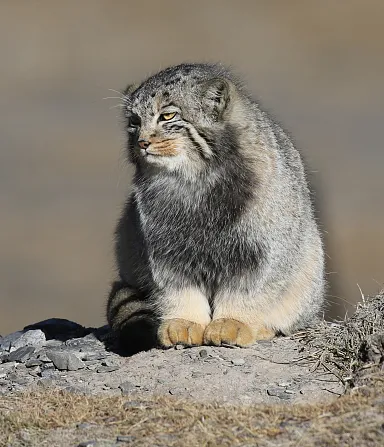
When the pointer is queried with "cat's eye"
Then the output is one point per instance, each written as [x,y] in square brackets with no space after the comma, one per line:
[167,116]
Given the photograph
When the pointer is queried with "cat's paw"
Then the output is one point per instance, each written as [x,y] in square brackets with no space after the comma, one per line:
[180,332]
[233,332]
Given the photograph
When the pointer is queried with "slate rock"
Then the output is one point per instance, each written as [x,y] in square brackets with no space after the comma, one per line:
[278,392]
[21,354]
[33,362]
[65,360]
[6,342]
[30,338]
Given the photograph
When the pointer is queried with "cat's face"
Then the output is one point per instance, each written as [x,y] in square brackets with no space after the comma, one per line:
[172,118]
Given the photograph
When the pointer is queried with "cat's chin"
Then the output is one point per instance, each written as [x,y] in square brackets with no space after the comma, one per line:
[167,162]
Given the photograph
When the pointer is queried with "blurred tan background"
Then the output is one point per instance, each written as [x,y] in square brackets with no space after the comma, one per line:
[318,66]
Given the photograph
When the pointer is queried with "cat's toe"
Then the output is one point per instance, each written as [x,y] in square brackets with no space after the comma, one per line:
[233,332]
[180,331]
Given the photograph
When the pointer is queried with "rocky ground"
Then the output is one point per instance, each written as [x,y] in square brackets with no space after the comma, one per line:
[66,355]
[63,384]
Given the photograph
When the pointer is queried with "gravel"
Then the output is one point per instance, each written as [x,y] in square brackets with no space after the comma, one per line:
[62,354]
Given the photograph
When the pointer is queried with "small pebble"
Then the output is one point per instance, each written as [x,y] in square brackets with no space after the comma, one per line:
[179,347]
[107,369]
[278,392]
[84,425]
[125,438]
[196,374]
[108,362]
[126,387]
[238,362]
[203,353]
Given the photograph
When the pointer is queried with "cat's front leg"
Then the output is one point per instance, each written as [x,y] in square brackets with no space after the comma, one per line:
[237,319]
[185,313]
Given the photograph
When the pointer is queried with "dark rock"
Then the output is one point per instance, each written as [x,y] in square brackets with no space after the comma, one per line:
[203,353]
[106,369]
[60,329]
[126,438]
[102,333]
[65,360]
[21,354]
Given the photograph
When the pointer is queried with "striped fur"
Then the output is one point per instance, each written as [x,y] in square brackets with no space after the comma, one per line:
[218,242]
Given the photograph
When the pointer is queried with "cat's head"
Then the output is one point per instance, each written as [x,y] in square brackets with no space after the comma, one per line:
[176,118]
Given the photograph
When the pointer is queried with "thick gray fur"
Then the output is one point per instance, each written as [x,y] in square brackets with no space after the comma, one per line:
[220,207]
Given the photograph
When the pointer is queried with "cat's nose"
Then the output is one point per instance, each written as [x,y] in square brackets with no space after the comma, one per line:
[143,144]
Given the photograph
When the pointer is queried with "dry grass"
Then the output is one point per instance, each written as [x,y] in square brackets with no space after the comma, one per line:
[355,419]
[347,348]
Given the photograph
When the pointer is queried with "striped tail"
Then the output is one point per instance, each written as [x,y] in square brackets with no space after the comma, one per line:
[132,318]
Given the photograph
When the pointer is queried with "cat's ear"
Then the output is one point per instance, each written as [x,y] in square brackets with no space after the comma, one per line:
[130,89]
[216,93]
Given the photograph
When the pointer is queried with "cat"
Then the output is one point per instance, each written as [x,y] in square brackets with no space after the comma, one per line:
[218,242]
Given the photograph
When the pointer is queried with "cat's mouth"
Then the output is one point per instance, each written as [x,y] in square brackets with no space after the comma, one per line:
[163,151]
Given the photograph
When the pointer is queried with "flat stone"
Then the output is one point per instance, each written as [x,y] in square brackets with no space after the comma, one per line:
[21,354]
[42,356]
[33,362]
[30,338]
[278,392]
[65,360]
[92,356]
[238,362]
[22,380]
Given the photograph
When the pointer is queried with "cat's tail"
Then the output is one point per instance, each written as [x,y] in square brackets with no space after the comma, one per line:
[131,316]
